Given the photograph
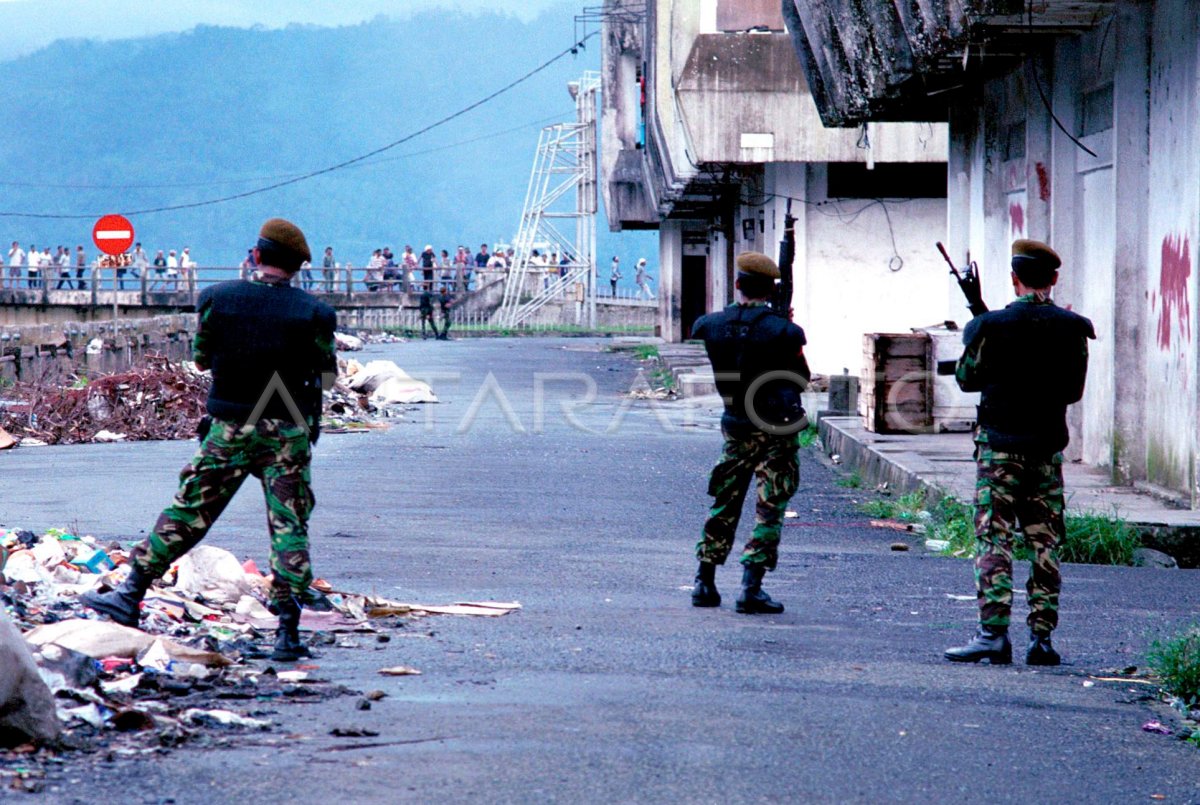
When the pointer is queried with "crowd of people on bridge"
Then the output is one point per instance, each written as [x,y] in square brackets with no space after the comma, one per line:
[428,270]
[35,268]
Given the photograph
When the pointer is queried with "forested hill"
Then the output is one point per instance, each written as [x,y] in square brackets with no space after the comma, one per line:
[94,127]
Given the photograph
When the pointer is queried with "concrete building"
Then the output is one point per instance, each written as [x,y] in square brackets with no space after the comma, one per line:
[708,128]
[1077,123]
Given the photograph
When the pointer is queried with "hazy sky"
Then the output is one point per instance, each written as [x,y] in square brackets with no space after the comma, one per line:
[31,24]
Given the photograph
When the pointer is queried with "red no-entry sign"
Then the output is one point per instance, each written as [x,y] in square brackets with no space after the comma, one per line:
[113,234]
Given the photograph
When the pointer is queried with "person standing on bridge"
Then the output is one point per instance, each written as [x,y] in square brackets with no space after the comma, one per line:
[1029,360]
[16,259]
[328,269]
[269,346]
[757,356]
[642,278]
[80,267]
[141,261]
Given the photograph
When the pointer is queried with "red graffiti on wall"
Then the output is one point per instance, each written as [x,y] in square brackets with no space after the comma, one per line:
[1043,182]
[1175,271]
[1016,218]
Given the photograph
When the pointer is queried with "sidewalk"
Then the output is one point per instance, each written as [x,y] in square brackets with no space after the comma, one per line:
[944,462]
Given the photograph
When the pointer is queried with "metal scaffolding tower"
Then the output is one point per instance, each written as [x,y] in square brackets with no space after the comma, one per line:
[565,162]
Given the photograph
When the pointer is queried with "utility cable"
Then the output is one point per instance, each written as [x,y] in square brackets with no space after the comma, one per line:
[158,185]
[572,50]
[1046,101]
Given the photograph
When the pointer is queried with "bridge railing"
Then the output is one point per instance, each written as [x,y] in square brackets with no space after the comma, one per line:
[166,287]
[181,286]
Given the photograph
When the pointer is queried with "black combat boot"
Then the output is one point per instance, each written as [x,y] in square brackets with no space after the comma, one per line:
[1041,652]
[989,643]
[288,647]
[705,594]
[121,604]
[753,601]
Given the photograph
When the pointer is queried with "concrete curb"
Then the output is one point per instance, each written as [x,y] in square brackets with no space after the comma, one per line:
[943,464]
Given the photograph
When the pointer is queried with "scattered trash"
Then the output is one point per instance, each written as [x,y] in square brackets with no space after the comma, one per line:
[385,383]
[1156,727]
[353,732]
[1087,683]
[899,546]
[937,545]
[223,718]
[892,524]
[205,633]
[166,400]
[99,639]
[790,515]
[399,670]
[347,342]
[161,400]
[26,705]
[954,597]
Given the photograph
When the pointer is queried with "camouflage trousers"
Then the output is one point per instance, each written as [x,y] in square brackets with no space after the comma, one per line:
[278,453]
[775,460]
[1028,490]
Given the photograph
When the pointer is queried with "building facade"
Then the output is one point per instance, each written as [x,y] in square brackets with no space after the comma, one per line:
[1077,123]
[709,131]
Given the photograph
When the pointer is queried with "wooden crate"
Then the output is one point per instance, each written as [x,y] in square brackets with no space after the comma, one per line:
[896,390]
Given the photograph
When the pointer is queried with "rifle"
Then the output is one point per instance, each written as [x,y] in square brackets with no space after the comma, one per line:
[968,281]
[781,303]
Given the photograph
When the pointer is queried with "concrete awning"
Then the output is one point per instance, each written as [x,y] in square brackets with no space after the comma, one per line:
[896,59]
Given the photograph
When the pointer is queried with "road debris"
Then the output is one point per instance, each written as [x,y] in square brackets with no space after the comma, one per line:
[26,705]
[166,400]
[892,524]
[347,342]
[400,670]
[1157,727]
[204,638]
[161,400]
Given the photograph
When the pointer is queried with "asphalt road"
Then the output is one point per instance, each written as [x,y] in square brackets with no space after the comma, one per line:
[608,686]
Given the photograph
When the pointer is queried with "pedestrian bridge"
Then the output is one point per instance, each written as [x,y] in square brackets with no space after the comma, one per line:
[364,299]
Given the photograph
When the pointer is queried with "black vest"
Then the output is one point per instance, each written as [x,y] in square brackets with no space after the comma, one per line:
[744,343]
[1032,365]
[253,331]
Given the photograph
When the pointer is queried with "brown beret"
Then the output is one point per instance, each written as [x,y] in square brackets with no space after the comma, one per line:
[1034,252]
[757,263]
[287,235]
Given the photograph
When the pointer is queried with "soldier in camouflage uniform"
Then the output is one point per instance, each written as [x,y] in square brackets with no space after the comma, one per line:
[1029,360]
[759,365]
[268,345]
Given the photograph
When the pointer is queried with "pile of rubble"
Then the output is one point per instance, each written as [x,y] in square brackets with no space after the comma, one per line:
[165,400]
[197,663]
[162,400]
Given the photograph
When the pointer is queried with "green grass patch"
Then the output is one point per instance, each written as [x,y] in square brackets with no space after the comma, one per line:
[851,481]
[662,378]
[1092,539]
[1097,539]
[809,436]
[943,518]
[644,352]
[1176,661]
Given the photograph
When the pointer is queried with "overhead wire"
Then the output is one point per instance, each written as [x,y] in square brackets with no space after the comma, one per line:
[572,50]
[209,183]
